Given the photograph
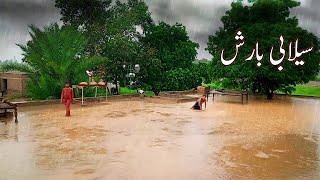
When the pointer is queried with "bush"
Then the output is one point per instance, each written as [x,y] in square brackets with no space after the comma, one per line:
[180,79]
[186,79]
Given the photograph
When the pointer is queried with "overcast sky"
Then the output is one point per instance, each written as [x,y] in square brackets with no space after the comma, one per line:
[201,17]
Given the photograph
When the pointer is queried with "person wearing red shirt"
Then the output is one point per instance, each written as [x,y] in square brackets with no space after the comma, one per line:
[67,98]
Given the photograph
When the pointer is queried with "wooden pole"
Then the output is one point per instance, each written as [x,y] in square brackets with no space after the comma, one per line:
[15,115]
[106,93]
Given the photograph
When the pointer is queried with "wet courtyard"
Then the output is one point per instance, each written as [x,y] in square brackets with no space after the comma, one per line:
[137,139]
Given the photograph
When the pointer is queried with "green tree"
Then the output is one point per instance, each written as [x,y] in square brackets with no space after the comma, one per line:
[52,57]
[166,48]
[264,22]
[187,78]
[128,18]
[172,45]
[90,17]
[124,29]
[152,77]
[100,20]
[120,50]
[113,30]
[83,12]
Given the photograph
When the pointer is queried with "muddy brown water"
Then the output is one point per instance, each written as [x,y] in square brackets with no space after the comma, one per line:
[136,139]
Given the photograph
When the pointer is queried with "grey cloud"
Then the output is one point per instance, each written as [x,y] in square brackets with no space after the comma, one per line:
[201,17]
[15,16]
[309,15]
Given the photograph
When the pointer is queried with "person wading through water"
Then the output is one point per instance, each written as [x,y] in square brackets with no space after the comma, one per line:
[67,98]
[199,102]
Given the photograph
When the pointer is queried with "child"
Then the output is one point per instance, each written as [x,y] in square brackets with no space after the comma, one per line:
[199,102]
[67,97]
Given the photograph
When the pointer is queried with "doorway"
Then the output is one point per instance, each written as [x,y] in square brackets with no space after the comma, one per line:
[4,86]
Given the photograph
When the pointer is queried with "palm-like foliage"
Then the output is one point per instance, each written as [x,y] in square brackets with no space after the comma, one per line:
[52,57]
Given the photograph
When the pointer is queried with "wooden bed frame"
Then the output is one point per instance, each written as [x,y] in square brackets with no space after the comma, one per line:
[5,106]
[242,94]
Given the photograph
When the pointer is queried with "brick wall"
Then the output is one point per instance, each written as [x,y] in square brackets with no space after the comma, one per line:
[16,82]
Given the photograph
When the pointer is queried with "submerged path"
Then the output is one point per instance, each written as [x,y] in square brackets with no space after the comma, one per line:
[140,140]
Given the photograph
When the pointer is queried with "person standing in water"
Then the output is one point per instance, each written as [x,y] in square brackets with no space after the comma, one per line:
[199,102]
[67,98]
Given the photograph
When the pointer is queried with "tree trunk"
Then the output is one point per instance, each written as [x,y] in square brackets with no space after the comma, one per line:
[155,91]
[270,94]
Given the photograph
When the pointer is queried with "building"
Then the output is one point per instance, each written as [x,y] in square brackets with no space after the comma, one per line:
[13,83]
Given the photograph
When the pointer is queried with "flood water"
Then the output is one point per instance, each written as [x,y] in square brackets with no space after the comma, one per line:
[135,139]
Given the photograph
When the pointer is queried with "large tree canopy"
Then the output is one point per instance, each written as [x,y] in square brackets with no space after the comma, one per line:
[172,45]
[100,20]
[113,29]
[168,48]
[90,17]
[124,30]
[264,22]
[83,12]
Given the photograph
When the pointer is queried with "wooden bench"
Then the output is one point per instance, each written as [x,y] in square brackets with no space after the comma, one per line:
[242,94]
[5,106]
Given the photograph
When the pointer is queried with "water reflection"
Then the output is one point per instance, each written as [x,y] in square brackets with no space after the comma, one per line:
[289,156]
[8,131]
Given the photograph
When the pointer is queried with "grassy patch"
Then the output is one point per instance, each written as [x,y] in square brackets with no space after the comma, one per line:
[303,90]
[214,85]
[127,91]
[149,93]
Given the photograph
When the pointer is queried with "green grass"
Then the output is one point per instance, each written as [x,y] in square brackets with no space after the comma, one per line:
[127,91]
[149,93]
[303,90]
[214,85]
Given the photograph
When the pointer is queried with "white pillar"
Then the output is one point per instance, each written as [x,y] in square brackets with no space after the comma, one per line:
[82,95]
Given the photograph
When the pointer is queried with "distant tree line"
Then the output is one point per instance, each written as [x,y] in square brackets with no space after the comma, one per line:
[103,36]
